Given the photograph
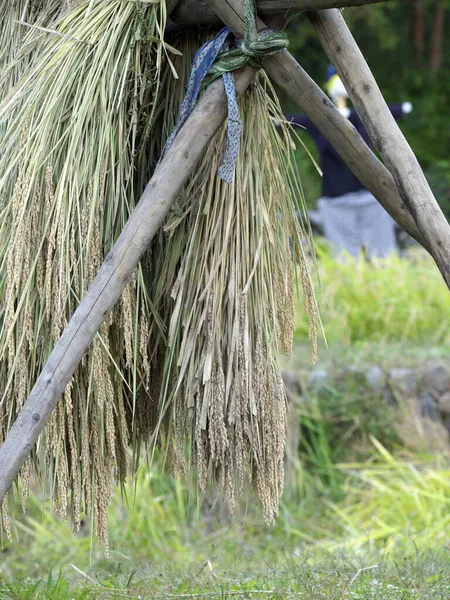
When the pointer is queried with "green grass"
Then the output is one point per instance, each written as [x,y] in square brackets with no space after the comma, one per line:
[420,576]
[352,503]
[394,301]
[393,503]
[389,512]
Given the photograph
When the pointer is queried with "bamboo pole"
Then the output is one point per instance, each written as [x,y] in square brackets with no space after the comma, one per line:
[344,53]
[159,195]
[200,12]
[346,140]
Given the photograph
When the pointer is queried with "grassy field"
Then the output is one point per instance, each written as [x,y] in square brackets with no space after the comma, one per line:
[424,577]
[365,514]
[374,528]
[382,533]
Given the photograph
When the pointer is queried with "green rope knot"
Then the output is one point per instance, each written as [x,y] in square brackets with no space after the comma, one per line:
[255,46]
[267,42]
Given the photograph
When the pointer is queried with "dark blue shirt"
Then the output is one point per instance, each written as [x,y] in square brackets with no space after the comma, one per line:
[337,178]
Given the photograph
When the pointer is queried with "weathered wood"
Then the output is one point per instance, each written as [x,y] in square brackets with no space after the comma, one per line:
[159,195]
[385,134]
[346,140]
[199,12]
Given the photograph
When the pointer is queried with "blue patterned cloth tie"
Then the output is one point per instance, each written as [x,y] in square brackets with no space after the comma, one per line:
[203,60]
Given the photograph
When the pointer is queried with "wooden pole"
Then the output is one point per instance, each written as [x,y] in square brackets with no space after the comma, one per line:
[200,12]
[344,53]
[159,195]
[346,140]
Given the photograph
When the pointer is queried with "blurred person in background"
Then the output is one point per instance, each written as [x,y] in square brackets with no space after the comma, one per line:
[351,218]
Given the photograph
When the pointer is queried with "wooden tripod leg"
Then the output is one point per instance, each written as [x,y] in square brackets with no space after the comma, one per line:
[285,71]
[416,194]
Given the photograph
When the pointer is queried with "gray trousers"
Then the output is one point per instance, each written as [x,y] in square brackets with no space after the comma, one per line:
[356,222]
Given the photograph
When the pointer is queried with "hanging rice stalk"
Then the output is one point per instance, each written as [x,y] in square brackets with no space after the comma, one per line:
[229,274]
[77,122]
[189,358]
[20,23]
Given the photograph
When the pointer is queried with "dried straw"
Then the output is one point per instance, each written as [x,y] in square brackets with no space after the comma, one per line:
[188,361]
[77,106]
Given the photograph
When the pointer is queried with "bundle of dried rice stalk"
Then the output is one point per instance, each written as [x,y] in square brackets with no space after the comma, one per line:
[190,354]
[229,272]
[14,58]
[21,20]
[77,124]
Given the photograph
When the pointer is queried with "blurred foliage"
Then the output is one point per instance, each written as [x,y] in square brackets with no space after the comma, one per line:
[396,500]
[380,301]
[387,35]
